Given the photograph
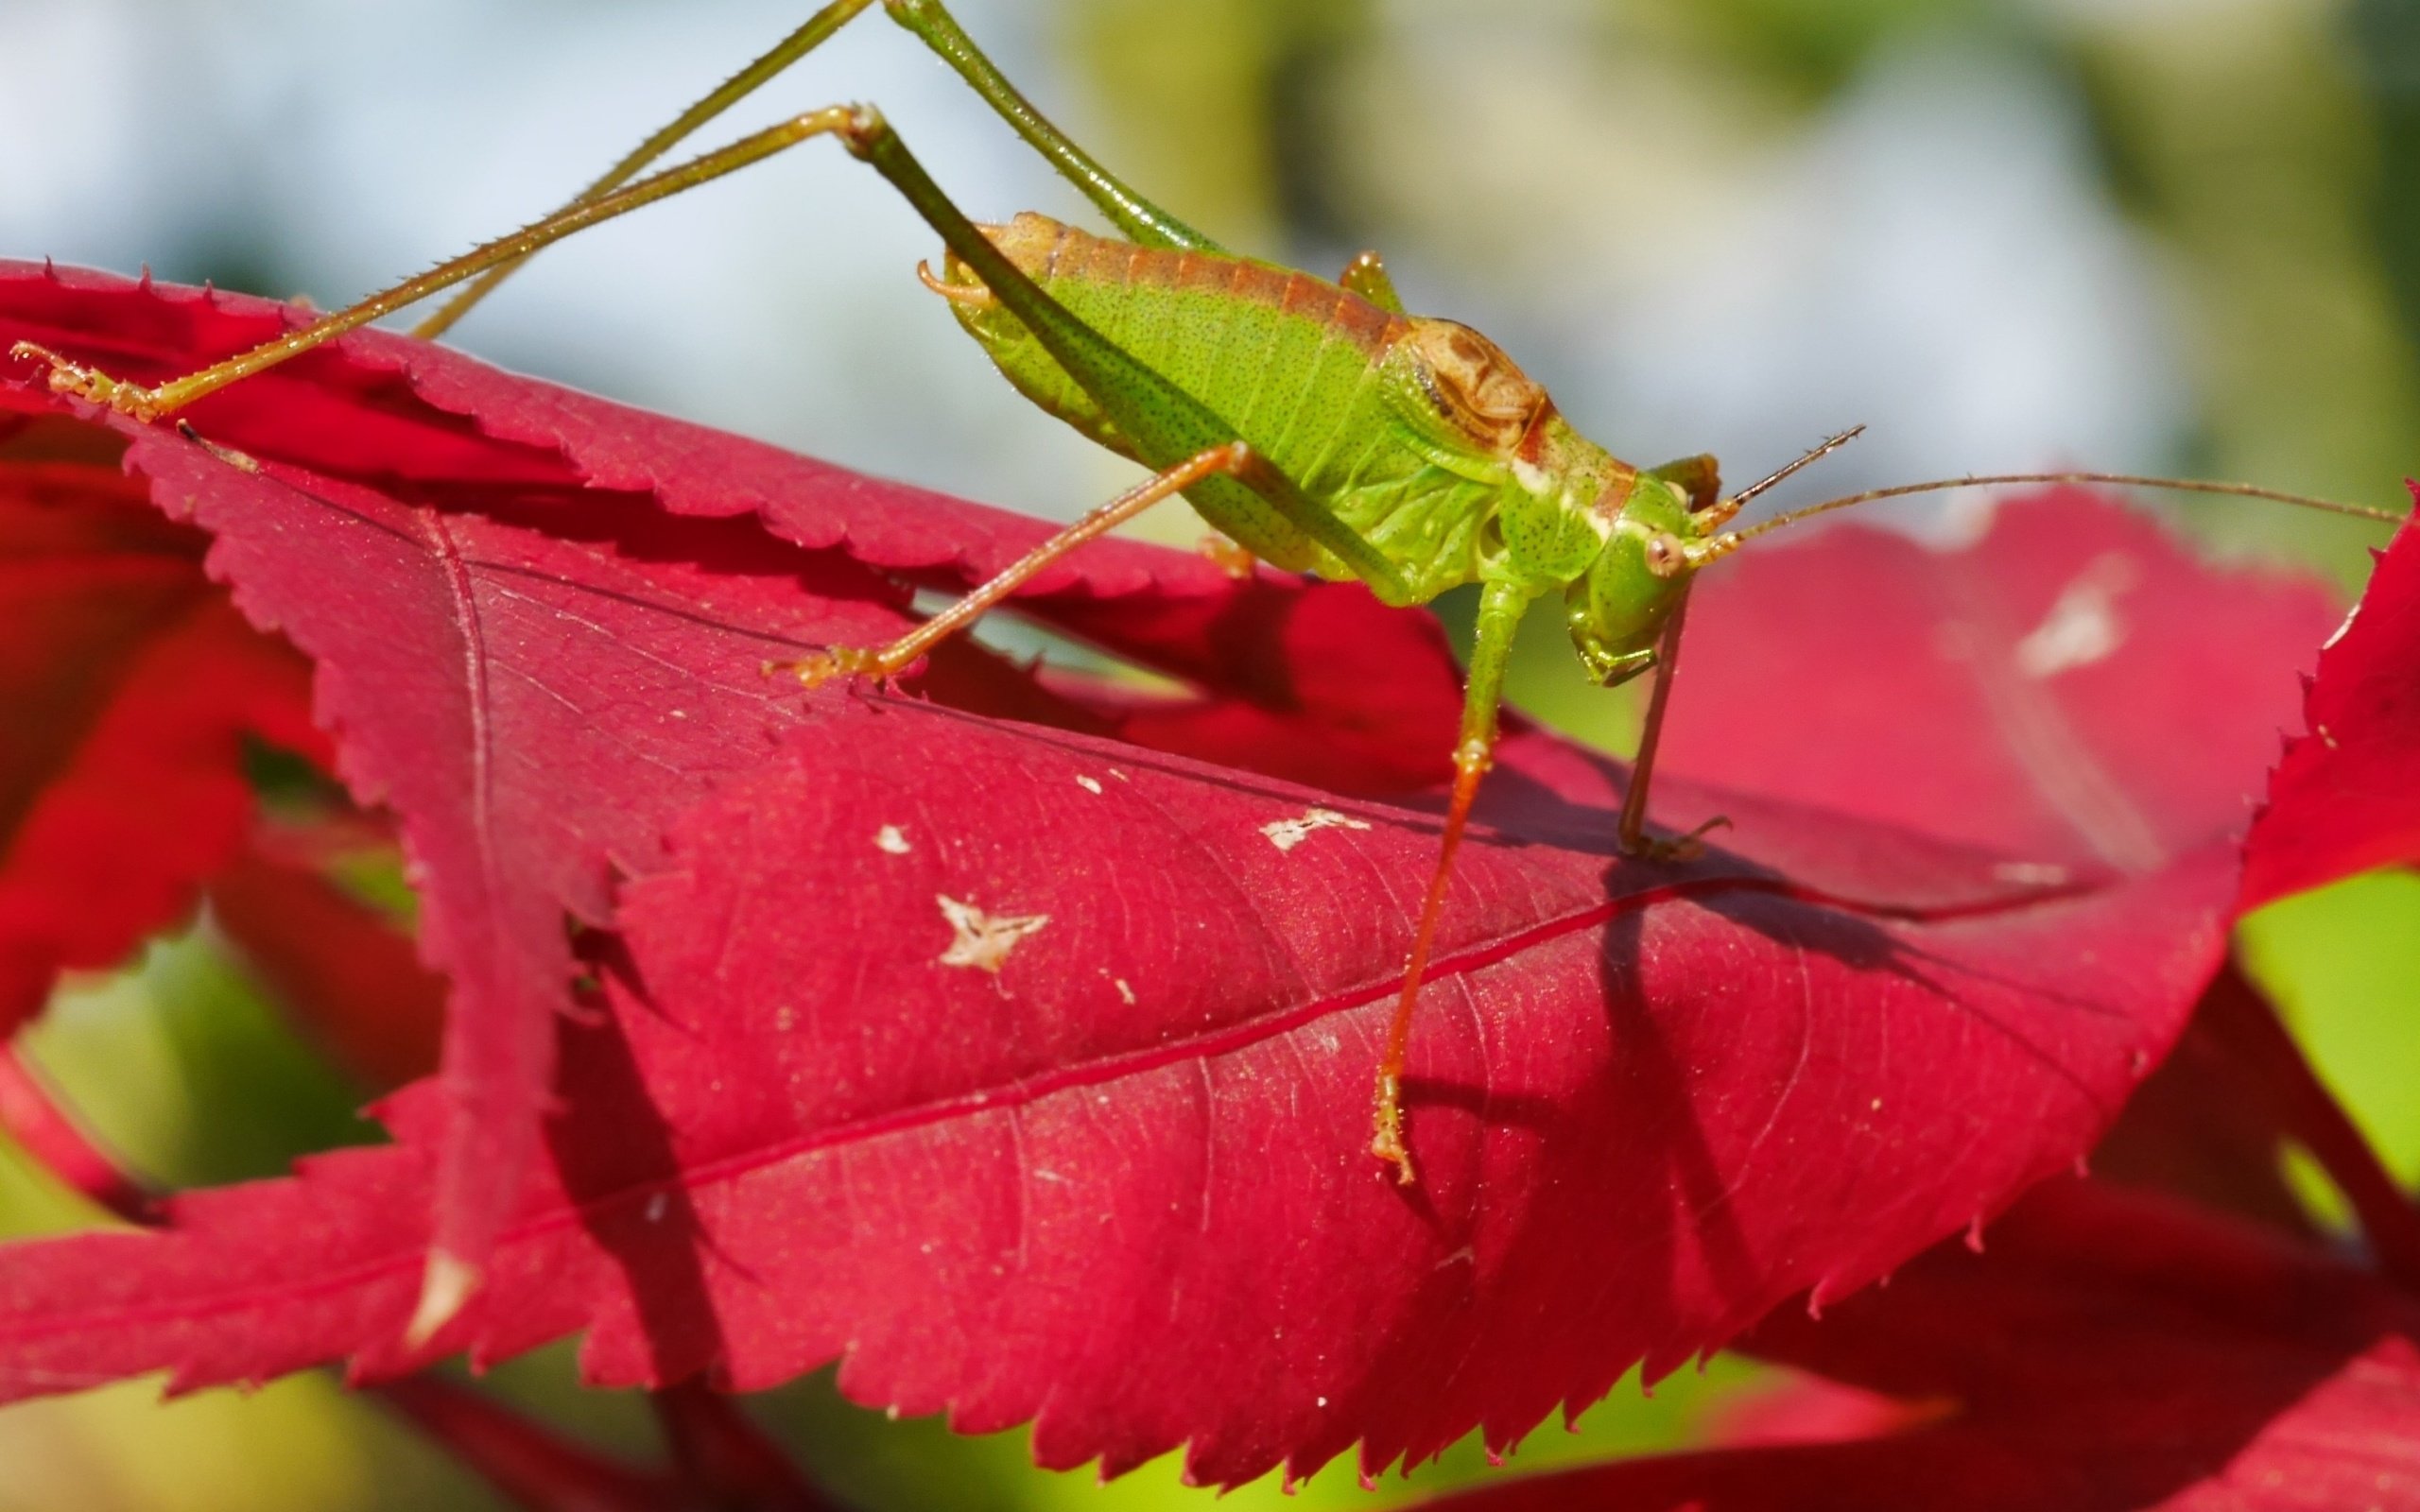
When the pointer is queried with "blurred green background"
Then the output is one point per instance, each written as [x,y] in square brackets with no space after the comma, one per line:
[2162,234]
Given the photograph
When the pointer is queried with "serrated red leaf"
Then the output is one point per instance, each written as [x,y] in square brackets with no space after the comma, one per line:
[2346,796]
[2201,1130]
[2114,710]
[130,686]
[370,452]
[808,1121]
[2105,1353]
[351,977]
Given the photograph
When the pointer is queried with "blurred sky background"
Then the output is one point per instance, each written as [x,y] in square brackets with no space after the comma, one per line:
[2133,234]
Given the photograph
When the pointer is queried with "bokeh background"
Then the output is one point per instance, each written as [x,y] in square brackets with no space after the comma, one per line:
[2140,234]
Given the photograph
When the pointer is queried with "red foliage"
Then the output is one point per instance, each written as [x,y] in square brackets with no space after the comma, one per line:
[2106,1353]
[2345,797]
[1010,1040]
[2112,701]
[130,686]
[352,976]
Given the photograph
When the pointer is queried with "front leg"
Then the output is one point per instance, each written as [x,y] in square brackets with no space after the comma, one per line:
[1633,835]
[1501,606]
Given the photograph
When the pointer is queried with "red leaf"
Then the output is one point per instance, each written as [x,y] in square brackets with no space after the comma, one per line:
[2202,1127]
[33,1120]
[534,1465]
[351,977]
[719,1459]
[440,656]
[2116,712]
[2346,797]
[1649,1102]
[129,685]
[2111,1354]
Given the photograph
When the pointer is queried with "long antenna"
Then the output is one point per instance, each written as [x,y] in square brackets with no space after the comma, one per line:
[2245,490]
[1816,453]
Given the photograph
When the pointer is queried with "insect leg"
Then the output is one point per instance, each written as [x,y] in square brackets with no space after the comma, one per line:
[1163,424]
[891,660]
[1136,218]
[1501,606]
[1633,834]
[1702,479]
[153,402]
[818,29]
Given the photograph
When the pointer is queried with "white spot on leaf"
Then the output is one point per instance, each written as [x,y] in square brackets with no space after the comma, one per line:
[2082,626]
[2030,873]
[1123,991]
[1287,834]
[979,940]
[1089,786]
[890,841]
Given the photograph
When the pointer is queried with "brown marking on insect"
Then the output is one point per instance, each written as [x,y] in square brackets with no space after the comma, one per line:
[1306,295]
[1201,270]
[1344,312]
[1105,261]
[1261,284]
[1621,481]
[1474,386]
[1156,268]
[1367,326]
[1030,242]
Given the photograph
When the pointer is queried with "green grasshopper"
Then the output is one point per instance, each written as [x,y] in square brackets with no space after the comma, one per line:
[1318,425]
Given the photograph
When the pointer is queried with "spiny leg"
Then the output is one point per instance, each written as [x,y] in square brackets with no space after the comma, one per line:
[817,31]
[1701,478]
[1138,218]
[1501,606]
[890,660]
[1633,833]
[166,399]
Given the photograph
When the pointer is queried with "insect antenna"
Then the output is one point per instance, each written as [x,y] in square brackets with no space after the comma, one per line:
[1730,540]
[1717,513]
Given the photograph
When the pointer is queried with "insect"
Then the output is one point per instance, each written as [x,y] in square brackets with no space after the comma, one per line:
[1316,423]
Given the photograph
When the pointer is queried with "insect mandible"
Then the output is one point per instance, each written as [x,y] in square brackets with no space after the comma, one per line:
[1314,422]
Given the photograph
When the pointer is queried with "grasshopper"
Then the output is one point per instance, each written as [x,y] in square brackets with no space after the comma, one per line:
[1316,424]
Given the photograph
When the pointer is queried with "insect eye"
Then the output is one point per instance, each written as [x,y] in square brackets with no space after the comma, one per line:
[1665,556]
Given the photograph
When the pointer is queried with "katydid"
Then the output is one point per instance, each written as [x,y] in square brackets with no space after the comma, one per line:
[1314,422]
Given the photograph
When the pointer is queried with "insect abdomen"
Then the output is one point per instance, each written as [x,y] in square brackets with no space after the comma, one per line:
[1293,362]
